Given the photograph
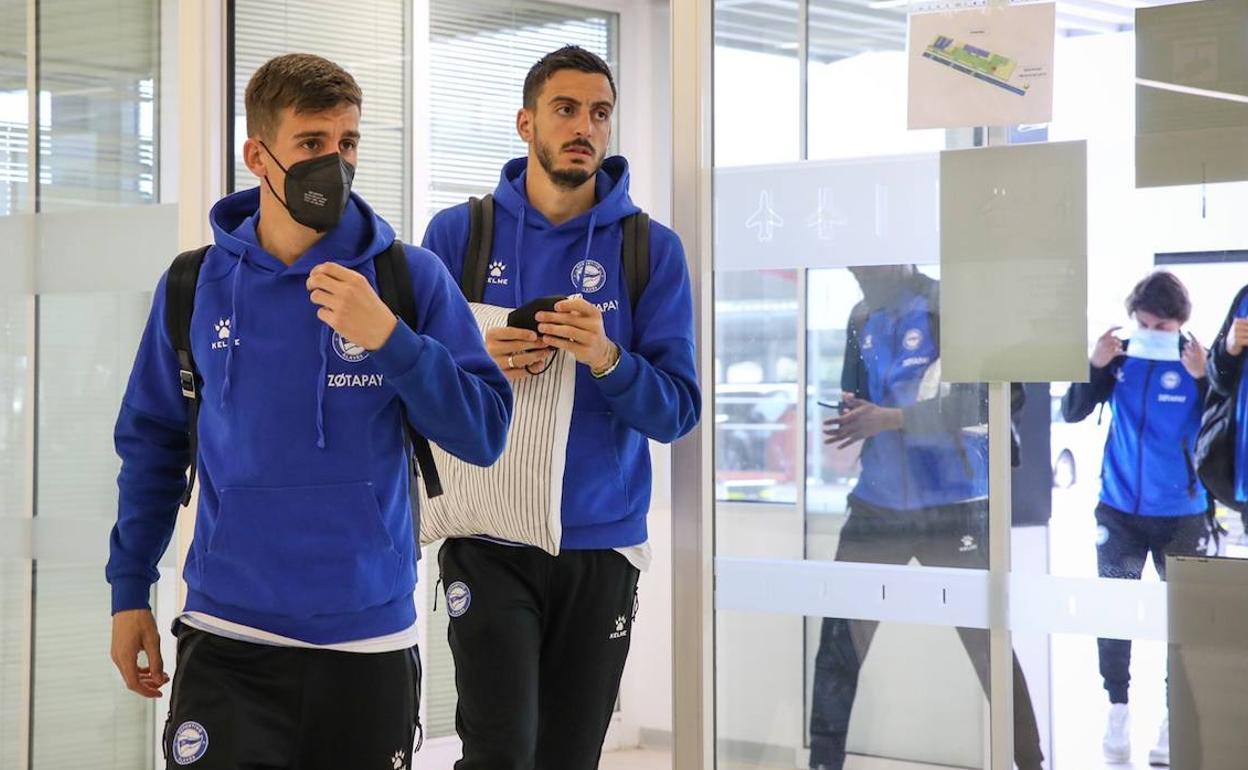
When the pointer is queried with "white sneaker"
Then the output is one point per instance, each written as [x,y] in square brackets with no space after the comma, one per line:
[1159,755]
[1117,743]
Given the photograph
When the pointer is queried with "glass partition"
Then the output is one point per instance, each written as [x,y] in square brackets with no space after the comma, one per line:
[828,265]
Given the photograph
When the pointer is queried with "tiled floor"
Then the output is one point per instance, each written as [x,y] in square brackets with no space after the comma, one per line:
[642,759]
[662,760]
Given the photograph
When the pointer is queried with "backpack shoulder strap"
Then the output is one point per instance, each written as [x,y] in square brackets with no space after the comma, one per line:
[180,285]
[635,254]
[480,245]
[394,285]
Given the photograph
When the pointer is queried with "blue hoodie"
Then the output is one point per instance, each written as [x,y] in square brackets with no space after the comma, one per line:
[1148,468]
[304,526]
[889,353]
[653,393]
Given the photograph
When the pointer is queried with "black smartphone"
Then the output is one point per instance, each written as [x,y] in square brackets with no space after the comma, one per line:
[525,316]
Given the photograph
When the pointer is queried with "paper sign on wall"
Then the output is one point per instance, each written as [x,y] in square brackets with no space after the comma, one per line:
[988,66]
[1014,263]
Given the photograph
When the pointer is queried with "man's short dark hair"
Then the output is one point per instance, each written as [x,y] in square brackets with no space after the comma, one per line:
[1163,295]
[304,81]
[570,57]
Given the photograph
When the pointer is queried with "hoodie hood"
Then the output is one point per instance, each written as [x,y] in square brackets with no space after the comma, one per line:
[610,194]
[611,205]
[359,236]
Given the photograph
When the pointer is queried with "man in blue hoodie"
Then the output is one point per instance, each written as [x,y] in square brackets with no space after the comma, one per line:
[296,647]
[1151,499]
[540,641]
[921,494]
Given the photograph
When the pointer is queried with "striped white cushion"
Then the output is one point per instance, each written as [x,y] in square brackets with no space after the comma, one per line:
[520,497]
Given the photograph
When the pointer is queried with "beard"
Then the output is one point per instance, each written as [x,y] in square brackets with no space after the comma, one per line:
[565,178]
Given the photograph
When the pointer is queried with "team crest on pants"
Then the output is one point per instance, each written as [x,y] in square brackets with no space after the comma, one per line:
[458,599]
[190,743]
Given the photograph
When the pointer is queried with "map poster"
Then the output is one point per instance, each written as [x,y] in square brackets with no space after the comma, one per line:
[986,66]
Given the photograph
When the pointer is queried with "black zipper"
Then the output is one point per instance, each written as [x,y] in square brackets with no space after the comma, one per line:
[183,662]
[418,729]
[1191,467]
[1139,460]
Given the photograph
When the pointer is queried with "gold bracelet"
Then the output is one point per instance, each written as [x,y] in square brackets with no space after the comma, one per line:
[611,368]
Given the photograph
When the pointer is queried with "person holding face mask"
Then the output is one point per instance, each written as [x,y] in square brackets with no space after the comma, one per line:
[1151,500]
[297,394]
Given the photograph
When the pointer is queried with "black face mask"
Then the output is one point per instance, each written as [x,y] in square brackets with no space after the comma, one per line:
[317,190]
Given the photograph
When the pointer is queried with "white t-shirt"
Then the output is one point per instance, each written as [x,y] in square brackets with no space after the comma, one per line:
[639,556]
[200,621]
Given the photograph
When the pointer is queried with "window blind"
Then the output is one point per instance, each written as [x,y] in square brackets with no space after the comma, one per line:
[366,39]
[480,53]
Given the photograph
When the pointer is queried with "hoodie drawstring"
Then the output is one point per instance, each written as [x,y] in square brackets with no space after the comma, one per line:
[320,388]
[234,327]
[515,279]
[589,241]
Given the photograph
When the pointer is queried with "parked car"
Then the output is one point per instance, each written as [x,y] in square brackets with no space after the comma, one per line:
[1076,449]
[756,445]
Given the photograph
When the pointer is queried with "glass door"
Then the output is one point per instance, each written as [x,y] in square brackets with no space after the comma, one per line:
[912,572]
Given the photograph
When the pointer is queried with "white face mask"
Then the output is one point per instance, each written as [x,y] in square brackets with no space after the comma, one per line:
[1153,345]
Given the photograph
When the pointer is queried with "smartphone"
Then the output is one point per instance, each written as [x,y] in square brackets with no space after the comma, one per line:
[524,317]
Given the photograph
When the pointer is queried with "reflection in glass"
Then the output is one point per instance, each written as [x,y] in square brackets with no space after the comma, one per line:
[99,65]
[86,346]
[921,485]
[857,56]
[756,440]
[14,404]
[14,572]
[923,708]
[14,658]
[757,84]
[81,707]
[14,109]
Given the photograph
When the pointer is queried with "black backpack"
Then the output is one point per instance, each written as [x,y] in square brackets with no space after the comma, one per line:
[394,283]
[634,252]
[1214,454]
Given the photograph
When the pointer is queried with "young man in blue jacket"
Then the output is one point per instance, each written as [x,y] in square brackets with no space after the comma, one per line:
[540,641]
[296,647]
[1151,500]
[922,492]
